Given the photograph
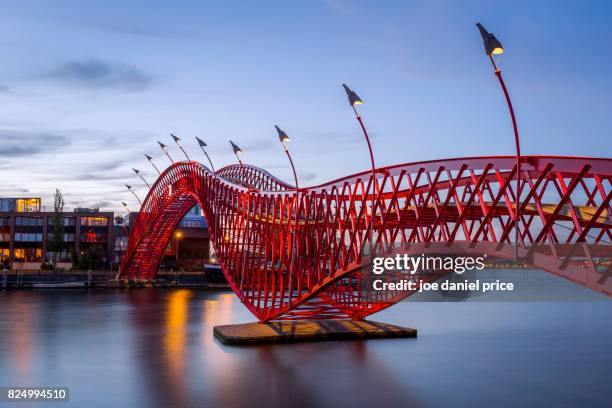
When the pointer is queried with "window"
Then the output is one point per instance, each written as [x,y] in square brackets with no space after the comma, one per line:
[28,204]
[5,221]
[94,221]
[5,236]
[64,221]
[67,237]
[28,255]
[29,221]
[28,237]
[7,204]
[63,256]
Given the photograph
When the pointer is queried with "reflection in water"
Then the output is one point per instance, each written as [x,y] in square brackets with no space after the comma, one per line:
[20,344]
[155,348]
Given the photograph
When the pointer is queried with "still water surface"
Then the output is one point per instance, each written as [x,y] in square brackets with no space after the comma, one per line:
[155,348]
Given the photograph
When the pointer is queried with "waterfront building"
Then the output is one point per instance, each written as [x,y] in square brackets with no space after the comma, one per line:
[26,229]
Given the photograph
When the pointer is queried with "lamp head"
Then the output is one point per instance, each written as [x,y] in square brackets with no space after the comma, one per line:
[176,138]
[128,187]
[149,158]
[282,136]
[163,146]
[136,171]
[200,142]
[237,150]
[353,98]
[491,43]
[124,204]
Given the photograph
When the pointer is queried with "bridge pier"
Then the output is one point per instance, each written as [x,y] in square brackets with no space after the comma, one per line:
[292,331]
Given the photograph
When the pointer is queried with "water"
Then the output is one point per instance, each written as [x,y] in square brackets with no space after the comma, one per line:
[155,348]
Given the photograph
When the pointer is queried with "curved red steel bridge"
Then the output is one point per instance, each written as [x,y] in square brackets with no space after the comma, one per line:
[291,254]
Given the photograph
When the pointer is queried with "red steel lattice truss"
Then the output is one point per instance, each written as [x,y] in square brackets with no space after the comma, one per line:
[295,255]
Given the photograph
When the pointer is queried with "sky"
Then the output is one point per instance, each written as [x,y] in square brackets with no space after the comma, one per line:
[86,88]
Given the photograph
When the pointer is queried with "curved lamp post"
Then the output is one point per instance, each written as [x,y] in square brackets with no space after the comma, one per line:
[355,100]
[202,146]
[138,173]
[238,151]
[164,149]
[176,140]
[284,139]
[493,47]
[150,159]
[130,188]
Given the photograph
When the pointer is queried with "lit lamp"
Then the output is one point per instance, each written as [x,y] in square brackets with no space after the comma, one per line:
[138,173]
[164,149]
[177,235]
[150,159]
[130,189]
[355,100]
[284,139]
[202,146]
[176,140]
[493,47]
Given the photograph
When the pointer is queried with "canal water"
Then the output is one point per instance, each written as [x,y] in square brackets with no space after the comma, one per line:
[155,348]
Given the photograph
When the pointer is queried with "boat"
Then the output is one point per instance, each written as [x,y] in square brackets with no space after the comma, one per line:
[62,285]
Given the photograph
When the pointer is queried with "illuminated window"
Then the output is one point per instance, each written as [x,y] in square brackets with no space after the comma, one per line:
[28,204]
[94,221]
[28,255]
[4,253]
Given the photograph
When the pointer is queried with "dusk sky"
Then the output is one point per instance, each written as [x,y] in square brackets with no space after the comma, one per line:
[87,88]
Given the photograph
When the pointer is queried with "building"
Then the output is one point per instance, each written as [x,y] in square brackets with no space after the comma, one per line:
[25,232]
[188,248]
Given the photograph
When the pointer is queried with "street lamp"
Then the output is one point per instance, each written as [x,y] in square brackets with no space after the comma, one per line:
[177,235]
[130,189]
[138,173]
[176,140]
[238,151]
[493,47]
[284,139]
[355,100]
[150,159]
[164,147]
[202,146]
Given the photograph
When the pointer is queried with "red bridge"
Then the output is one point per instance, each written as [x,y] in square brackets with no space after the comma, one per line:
[291,254]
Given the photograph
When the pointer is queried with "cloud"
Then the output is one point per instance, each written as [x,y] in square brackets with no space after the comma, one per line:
[14,143]
[95,73]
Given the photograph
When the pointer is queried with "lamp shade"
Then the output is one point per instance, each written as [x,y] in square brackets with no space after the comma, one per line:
[176,138]
[124,203]
[149,158]
[163,146]
[491,43]
[200,142]
[128,186]
[282,136]
[353,98]
[237,150]
[136,170]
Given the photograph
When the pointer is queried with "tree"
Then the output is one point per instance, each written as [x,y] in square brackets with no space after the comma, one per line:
[91,258]
[56,243]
